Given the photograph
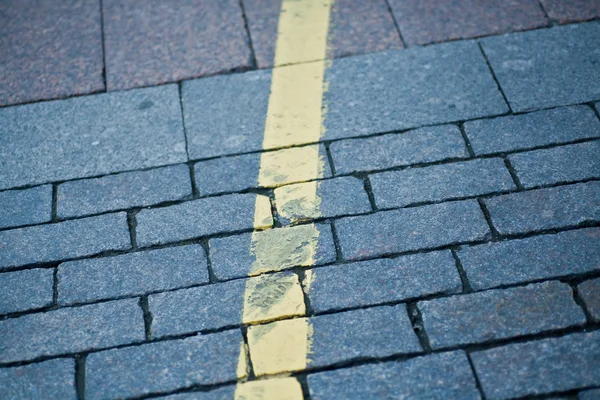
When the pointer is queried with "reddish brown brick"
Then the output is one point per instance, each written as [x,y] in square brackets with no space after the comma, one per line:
[572,10]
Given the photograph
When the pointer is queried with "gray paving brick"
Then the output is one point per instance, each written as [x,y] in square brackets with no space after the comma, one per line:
[560,164]
[541,366]
[500,314]
[92,135]
[235,256]
[227,174]
[131,274]
[590,293]
[125,190]
[375,332]
[545,208]
[541,128]
[224,393]
[524,260]
[548,67]
[408,229]
[24,207]
[68,239]
[196,218]
[26,290]
[163,366]
[383,280]
[437,376]
[592,394]
[440,182]
[54,379]
[334,198]
[417,146]
[71,330]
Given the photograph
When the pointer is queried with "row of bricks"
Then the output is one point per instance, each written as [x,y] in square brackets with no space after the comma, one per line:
[506,371]
[238,173]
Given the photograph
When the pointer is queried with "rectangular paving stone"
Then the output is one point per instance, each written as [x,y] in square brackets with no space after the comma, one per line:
[557,165]
[68,239]
[321,199]
[524,260]
[571,11]
[384,280]
[24,207]
[500,314]
[92,135]
[131,274]
[422,22]
[541,366]
[271,250]
[196,218]
[542,209]
[26,290]
[424,145]
[223,393]
[71,330]
[54,379]
[147,44]
[541,128]
[125,190]
[163,366]
[409,229]
[440,182]
[439,376]
[589,291]
[49,50]
[592,394]
[547,68]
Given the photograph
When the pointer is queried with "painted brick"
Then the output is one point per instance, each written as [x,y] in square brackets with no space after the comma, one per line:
[558,165]
[545,208]
[163,366]
[24,207]
[71,330]
[121,191]
[500,314]
[131,274]
[589,291]
[54,379]
[26,290]
[538,367]
[440,182]
[408,229]
[442,376]
[69,239]
[384,280]
[423,145]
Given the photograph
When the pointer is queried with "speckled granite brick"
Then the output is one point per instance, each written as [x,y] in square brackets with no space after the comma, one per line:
[227,174]
[572,10]
[589,291]
[26,290]
[54,379]
[24,207]
[224,393]
[592,394]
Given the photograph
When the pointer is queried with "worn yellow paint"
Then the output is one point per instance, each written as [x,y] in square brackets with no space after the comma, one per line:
[298,202]
[267,389]
[263,218]
[285,166]
[242,367]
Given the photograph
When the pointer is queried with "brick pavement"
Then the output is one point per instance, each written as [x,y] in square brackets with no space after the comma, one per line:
[450,239]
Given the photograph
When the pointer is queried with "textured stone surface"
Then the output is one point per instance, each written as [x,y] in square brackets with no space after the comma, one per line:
[593,394]
[440,182]
[147,43]
[378,281]
[195,218]
[590,293]
[224,393]
[131,274]
[26,290]
[573,10]
[427,21]
[408,229]
[560,164]
[24,207]
[126,190]
[374,332]
[523,260]
[418,146]
[163,366]
[71,330]
[545,208]
[440,376]
[548,67]
[541,128]
[542,366]
[69,239]
[227,174]
[88,136]
[49,50]
[54,379]
[500,314]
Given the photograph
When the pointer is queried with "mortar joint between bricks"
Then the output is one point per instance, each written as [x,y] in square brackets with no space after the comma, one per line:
[147,316]
[329,158]
[510,111]
[513,173]
[466,285]
[579,301]
[301,272]
[463,133]
[250,367]
[212,277]
[477,381]
[80,375]
[416,320]
[488,218]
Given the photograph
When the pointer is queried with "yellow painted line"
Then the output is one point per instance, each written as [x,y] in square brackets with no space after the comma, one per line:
[270,297]
[280,389]
[298,202]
